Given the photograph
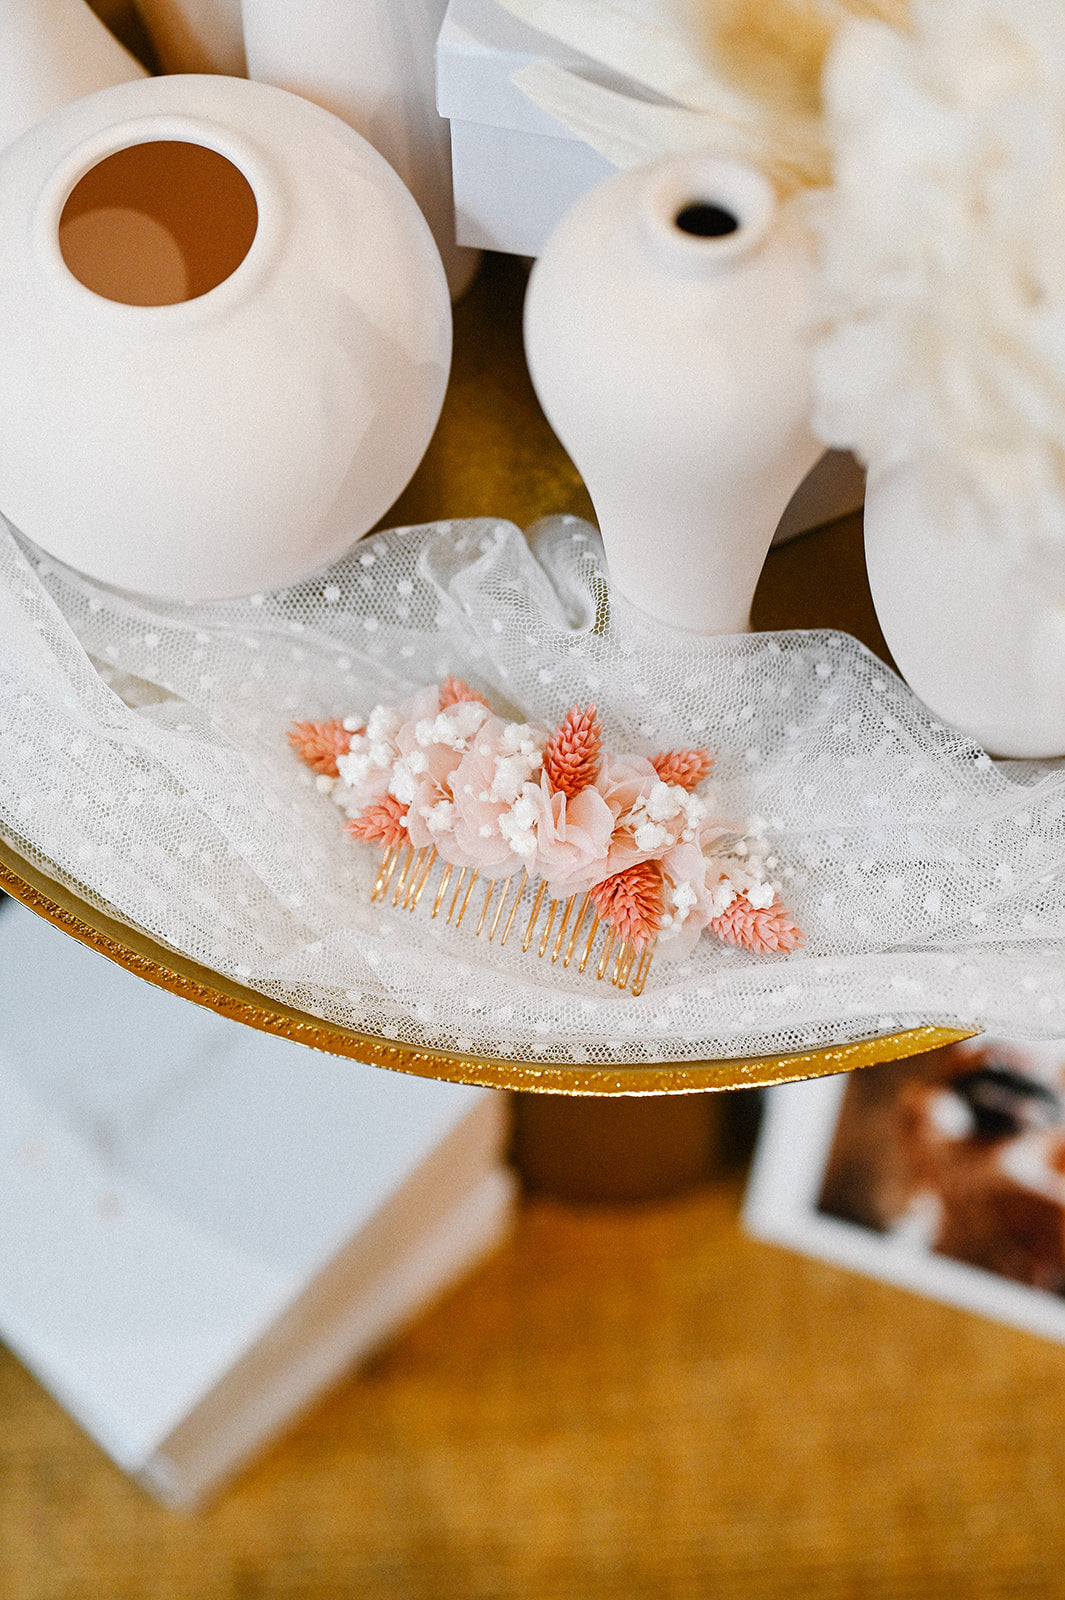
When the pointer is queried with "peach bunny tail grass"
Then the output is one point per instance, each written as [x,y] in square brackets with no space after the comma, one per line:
[768,930]
[319,743]
[631,903]
[686,768]
[384,823]
[453,691]
[571,756]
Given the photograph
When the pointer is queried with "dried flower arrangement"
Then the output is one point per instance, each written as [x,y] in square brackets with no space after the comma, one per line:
[942,259]
[740,77]
[628,842]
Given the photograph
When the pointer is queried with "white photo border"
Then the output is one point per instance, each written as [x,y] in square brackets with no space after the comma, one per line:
[781,1207]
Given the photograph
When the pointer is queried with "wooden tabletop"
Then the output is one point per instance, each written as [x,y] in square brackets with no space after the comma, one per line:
[623,1404]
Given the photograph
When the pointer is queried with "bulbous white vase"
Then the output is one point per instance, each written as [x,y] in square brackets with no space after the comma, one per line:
[52,52]
[374,65]
[226,336]
[662,334]
[978,634]
[196,35]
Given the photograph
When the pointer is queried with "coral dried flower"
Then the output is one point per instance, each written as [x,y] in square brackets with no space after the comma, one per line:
[319,743]
[571,757]
[383,823]
[631,902]
[687,768]
[767,930]
[454,690]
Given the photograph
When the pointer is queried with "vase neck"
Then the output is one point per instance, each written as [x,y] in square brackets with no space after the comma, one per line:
[53,52]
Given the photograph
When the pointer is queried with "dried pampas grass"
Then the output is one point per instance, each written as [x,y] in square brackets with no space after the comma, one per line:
[740,77]
[942,259]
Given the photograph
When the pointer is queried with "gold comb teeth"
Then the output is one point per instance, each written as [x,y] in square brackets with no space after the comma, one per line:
[441,780]
[404,879]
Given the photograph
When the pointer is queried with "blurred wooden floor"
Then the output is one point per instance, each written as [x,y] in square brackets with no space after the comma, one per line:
[624,1404]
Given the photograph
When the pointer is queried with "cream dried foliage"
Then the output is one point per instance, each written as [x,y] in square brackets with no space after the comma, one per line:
[942,260]
[739,77]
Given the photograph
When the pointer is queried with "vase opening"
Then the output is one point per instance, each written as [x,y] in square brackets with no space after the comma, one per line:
[706,220]
[158,223]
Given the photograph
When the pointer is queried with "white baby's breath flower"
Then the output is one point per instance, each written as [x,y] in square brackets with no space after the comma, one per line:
[438,818]
[651,836]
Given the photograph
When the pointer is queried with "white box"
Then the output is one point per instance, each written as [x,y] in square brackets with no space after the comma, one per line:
[202,1226]
[516,169]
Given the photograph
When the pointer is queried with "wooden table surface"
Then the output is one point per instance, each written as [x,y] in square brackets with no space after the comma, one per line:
[623,1404]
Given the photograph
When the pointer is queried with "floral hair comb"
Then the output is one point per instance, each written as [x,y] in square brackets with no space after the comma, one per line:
[617,845]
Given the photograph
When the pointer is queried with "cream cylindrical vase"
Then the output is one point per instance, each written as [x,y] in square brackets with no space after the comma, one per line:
[196,35]
[52,52]
[662,329]
[226,336]
[373,64]
[977,630]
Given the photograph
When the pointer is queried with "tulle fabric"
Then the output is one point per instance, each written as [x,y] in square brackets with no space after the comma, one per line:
[144,761]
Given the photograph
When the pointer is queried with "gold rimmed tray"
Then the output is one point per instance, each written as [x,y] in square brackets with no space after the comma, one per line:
[494,455]
[139,953]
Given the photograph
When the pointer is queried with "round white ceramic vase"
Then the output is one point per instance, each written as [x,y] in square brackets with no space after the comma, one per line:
[226,335]
[662,333]
[976,630]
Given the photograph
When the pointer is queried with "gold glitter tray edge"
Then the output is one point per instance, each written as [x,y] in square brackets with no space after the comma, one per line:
[167,969]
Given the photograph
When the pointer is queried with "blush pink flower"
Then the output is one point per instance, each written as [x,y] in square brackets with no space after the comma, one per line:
[687,902]
[366,770]
[649,814]
[573,835]
[493,821]
[431,751]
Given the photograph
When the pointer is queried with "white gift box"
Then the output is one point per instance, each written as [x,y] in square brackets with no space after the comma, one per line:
[202,1226]
[517,171]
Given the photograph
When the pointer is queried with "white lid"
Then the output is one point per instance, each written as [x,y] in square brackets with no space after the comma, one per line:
[479,46]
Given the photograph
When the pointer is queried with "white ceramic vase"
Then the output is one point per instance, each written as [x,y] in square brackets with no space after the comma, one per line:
[978,634]
[373,63]
[226,336]
[196,35]
[52,52]
[662,333]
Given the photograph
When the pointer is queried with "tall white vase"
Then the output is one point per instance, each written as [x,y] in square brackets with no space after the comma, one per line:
[662,333]
[52,52]
[196,35]
[978,634]
[226,336]
[371,62]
